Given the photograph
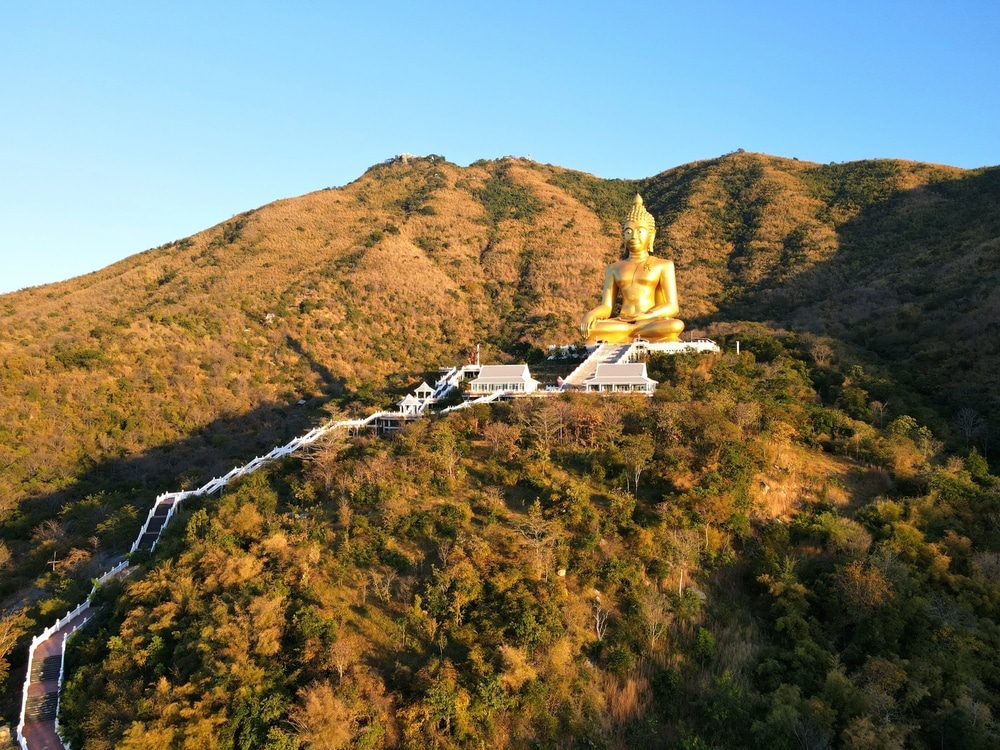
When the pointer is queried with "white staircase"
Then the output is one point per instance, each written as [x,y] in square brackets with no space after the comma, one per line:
[603,354]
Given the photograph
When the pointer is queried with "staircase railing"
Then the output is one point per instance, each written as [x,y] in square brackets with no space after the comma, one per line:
[444,384]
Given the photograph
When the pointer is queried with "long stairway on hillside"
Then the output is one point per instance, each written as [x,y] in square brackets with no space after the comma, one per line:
[40,700]
[603,354]
[37,728]
[159,519]
[41,706]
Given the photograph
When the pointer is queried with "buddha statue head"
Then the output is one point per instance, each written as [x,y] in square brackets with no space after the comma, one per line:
[639,228]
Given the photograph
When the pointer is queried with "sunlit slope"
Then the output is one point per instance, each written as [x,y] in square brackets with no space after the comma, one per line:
[416,262]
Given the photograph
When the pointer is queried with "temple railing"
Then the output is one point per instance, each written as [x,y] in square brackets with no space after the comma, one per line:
[444,384]
[494,396]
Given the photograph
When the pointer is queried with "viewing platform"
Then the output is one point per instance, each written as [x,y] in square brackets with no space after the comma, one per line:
[621,354]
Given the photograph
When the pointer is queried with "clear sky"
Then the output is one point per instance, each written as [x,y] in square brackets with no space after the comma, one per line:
[130,124]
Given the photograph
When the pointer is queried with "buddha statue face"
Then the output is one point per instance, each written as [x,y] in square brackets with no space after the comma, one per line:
[638,237]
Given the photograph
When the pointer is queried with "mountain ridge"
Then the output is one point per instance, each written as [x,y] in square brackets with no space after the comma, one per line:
[414,264]
[172,365]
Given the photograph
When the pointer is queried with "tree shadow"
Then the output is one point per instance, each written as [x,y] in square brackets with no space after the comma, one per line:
[334,385]
[915,281]
[103,507]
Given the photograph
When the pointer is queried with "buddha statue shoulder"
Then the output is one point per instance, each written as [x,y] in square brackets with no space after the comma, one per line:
[644,286]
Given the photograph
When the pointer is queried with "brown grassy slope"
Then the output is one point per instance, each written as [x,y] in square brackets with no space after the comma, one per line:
[400,271]
[747,224]
[915,280]
[896,258]
[209,339]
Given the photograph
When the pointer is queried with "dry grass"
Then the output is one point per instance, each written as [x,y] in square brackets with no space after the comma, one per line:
[802,476]
[403,270]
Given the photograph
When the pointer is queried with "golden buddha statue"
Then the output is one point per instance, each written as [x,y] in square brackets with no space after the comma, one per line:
[646,286]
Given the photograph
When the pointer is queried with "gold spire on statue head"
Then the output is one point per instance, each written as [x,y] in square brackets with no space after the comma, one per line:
[640,215]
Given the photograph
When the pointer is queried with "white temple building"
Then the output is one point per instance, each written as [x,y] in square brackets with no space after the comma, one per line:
[515,379]
[410,406]
[620,378]
[423,391]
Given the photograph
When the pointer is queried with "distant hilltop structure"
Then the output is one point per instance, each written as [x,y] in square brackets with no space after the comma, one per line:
[401,160]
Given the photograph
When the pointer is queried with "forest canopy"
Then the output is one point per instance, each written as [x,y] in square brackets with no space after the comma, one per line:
[733,563]
[793,545]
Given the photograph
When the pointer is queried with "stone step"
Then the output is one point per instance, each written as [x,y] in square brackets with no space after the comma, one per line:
[41,707]
[603,353]
[46,669]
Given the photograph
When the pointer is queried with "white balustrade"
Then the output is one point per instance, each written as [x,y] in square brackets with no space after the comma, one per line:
[444,384]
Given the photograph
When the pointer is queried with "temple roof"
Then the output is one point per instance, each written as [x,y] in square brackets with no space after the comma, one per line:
[634,372]
[503,373]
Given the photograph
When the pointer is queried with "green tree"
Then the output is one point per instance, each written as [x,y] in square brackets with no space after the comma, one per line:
[637,451]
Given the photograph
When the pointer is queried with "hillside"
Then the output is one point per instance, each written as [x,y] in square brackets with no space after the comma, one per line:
[175,364]
[414,263]
[716,567]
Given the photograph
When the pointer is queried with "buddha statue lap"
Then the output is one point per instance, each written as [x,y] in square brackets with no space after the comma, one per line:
[645,285]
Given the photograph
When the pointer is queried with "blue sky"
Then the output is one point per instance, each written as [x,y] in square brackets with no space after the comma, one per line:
[127,125]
